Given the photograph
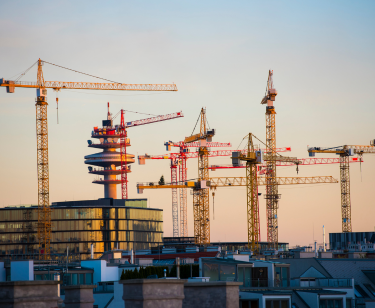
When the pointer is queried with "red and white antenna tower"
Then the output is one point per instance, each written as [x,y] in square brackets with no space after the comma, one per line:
[124,163]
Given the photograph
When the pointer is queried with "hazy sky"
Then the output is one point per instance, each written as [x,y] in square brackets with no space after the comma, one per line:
[218,53]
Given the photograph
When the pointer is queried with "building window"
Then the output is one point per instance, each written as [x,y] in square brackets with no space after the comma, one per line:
[281,276]
[88,278]
[330,303]
[348,303]
[250,304]
[277,303]
[260,277]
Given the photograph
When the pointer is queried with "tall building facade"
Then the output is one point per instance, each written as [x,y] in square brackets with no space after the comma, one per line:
[106,223]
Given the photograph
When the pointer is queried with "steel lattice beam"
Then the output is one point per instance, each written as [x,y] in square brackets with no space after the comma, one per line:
[346,213]
[183,198]
[174,197]
[44,210]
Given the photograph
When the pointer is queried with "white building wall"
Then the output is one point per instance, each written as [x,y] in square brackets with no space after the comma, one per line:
[101,271]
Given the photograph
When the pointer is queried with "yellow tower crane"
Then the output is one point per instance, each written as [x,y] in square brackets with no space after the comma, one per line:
[345,152]
[44,211]
[215,182]
[272,196]
[252,159]
[201,204]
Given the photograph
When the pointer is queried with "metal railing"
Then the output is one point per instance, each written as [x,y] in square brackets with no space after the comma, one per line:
[300,283]
[321,282]
[104,288]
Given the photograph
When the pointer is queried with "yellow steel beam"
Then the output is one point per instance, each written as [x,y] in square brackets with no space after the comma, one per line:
[241,181]
[90,86]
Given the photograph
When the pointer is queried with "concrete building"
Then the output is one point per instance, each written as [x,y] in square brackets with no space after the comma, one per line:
[105,223]
[109,160]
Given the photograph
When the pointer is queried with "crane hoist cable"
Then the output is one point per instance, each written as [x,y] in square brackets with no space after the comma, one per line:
[81,72]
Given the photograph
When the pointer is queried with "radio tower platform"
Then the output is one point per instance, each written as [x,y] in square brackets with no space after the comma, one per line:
[110,159]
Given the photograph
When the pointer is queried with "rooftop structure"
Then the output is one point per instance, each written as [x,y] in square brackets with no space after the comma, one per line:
[109,160]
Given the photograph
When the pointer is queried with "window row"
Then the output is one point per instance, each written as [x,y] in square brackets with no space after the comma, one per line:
[85,236]
[85,225]
[82,213]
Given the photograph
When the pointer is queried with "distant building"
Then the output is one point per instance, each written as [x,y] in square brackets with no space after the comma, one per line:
[342,240]
[105,223]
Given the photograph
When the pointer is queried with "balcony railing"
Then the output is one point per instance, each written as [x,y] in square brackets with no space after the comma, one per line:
[300,283]
[321,283]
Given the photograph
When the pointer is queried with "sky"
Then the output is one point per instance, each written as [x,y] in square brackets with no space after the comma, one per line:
[218,53]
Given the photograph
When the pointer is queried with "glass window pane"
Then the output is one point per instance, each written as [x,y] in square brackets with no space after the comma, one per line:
[276,304]
[338,303]
[248,277]
[227,272]
[284,304]
[240,274]
[348,303]
[330,303]
[269,304]
[74,279]
[211,270]
[89,278]
[81,278]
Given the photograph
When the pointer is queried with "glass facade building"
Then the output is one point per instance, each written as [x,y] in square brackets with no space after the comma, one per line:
[106,223]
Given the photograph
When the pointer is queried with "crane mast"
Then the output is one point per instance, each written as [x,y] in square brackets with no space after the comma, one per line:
[271,195]
[44,210]
[178,161]
[345,152]
[200,194]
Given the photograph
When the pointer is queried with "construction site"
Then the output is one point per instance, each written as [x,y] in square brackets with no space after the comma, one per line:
[87,228]
[187,154]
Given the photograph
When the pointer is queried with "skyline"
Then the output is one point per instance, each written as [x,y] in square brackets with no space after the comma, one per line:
[219,56]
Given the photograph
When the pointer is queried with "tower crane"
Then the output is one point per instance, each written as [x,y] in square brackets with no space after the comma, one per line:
[272,196]
[200,193]
[215,182]
[44,211]
[345,152]
[180,161]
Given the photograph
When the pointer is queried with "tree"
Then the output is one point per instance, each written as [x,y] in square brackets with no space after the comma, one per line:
[161,181]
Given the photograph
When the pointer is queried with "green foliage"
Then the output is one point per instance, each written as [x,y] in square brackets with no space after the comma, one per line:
[161,181]
[147,271]
[144,272]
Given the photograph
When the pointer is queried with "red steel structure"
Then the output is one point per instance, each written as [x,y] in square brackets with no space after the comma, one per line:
[124,165]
